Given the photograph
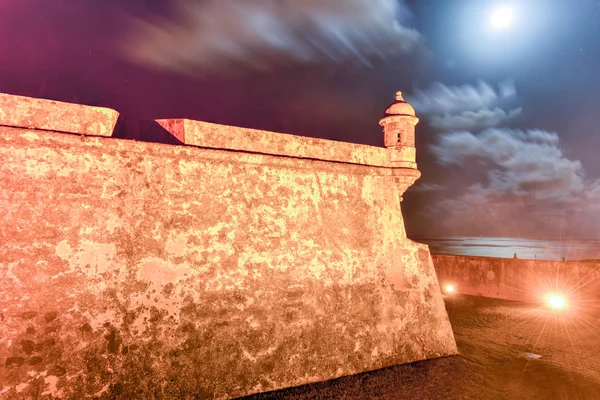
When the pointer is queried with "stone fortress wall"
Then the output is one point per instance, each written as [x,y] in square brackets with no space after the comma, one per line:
[521,280]
[238,262]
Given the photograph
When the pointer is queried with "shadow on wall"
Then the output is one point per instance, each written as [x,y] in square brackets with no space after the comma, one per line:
[143,131]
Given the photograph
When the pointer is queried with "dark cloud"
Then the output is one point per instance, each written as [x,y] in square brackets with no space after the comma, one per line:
[499,181]
[531,187]
[483,210]
[520,162]
[211,35]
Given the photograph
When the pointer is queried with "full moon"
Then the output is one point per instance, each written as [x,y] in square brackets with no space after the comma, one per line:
[502,17]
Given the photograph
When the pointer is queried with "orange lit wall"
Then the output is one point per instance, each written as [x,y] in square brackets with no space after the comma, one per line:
[237,262]
[522,280]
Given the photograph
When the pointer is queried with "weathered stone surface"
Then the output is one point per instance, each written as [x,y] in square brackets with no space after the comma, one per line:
[521,280]
[30,113]
[140,270]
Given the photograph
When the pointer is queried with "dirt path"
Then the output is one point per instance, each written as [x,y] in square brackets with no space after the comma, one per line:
[500,343]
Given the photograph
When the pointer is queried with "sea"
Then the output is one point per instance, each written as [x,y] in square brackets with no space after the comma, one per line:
[530,249]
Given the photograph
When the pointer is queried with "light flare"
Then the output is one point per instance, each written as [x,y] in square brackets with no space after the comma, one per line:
[449,289]
[556,301]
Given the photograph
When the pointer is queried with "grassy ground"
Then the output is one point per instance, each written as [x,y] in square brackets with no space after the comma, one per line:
[494,338]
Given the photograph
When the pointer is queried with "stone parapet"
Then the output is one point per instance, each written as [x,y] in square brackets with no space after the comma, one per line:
[208,135]
[30,113]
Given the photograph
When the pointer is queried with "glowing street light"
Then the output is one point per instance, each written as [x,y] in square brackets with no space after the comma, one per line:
[449,289]
[556,301]
[502,17]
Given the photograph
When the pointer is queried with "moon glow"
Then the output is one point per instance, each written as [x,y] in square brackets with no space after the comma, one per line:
[502,17]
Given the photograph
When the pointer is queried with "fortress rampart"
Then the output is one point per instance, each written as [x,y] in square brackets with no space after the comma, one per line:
[520,280]
[238,262]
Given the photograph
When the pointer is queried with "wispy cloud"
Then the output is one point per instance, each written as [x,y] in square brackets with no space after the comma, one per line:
[426,187]
[471,120]
[212,34]
[440,99]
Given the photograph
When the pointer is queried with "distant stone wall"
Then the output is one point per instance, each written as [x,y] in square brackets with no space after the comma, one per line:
[212,270]
[522,280]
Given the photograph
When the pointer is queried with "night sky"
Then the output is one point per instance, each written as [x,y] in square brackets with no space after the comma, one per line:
[509,139]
